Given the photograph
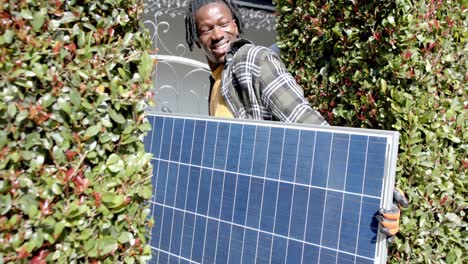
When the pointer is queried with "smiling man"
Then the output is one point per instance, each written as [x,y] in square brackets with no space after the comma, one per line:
[251,82]
[248,81]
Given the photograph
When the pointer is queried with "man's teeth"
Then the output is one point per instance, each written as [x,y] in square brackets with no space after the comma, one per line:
[220,46]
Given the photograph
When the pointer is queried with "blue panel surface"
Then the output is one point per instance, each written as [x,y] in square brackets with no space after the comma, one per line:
[242,192]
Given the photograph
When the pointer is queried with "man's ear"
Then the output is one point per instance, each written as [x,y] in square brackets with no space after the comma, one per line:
[237,29]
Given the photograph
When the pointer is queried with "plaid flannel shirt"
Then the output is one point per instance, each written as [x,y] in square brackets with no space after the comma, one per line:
[256,85]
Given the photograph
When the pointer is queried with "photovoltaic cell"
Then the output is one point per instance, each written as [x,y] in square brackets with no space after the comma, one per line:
[233,191]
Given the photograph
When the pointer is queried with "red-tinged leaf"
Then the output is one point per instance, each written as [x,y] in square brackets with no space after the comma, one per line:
[110,32]
[127,200]
[443,200]
[70,154]
[45,207]
[57,47]
[407,55]
[40,258]
[97,198]
[71,47]
[43,118]
[22,253]
[377,35]
[69,173]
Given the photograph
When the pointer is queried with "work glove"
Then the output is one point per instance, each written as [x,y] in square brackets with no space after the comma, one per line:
[389,220]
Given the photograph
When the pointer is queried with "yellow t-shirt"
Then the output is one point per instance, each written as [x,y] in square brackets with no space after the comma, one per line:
[218,106]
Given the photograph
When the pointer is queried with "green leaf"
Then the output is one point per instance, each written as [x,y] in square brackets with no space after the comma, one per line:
[82,74]
[146,193]
[75,97]
[85,234]
[7,37]
[117,167]
[125,237]
[127,38]
[113,200]
[106,121]
[11,110]
[5,186]
[21,116]
[453,218]
[58,228]
[452,256]
[29,205]
[92,131]
[59,156]
[128,129]
[3,139]
[64,104]
[53,24]
[75,210]
[37,162]
[113,158]
[146,126]
[57,189]
[26,14]
[32,140]
[5,203]
[129,260]
[38,21]
[146,66]
[106,245]
[116,116]
[123,73]
[36,241]
[47,100]
[90,246]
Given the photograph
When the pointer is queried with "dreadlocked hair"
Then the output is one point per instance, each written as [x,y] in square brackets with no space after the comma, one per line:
[191,34]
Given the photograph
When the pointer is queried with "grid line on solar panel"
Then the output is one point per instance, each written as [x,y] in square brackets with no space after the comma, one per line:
[360,205]
[342,204]
[277,190]
[262,193]
[233,225]
[325,203]
[209,194]
[248,193]
[235,200]
[293,195]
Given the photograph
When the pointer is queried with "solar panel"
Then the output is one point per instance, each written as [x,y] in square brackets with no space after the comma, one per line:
[237,191]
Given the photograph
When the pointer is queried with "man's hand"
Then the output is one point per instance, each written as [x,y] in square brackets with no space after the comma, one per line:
[390,219]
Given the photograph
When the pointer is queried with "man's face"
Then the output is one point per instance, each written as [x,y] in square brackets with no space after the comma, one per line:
[216,31]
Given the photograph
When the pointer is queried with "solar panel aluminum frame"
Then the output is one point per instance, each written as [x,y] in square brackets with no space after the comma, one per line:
[389,166]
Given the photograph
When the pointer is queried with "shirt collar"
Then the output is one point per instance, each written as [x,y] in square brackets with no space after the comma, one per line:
[216,74]
[235,47]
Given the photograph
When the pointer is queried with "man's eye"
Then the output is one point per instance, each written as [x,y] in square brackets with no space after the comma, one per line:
[225,24]
[205,30]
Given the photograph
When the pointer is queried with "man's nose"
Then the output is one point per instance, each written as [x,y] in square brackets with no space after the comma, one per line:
[217,33]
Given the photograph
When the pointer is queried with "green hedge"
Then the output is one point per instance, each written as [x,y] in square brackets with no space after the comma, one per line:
[399,65]
[74,175]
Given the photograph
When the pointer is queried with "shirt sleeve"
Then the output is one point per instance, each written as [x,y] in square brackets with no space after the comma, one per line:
[281,93]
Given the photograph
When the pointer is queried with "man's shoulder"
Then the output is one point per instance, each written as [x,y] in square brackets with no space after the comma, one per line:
[253,49]
[250,51]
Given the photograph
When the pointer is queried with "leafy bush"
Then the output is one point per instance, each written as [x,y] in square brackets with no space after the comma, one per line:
[399,65]
[74,175]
